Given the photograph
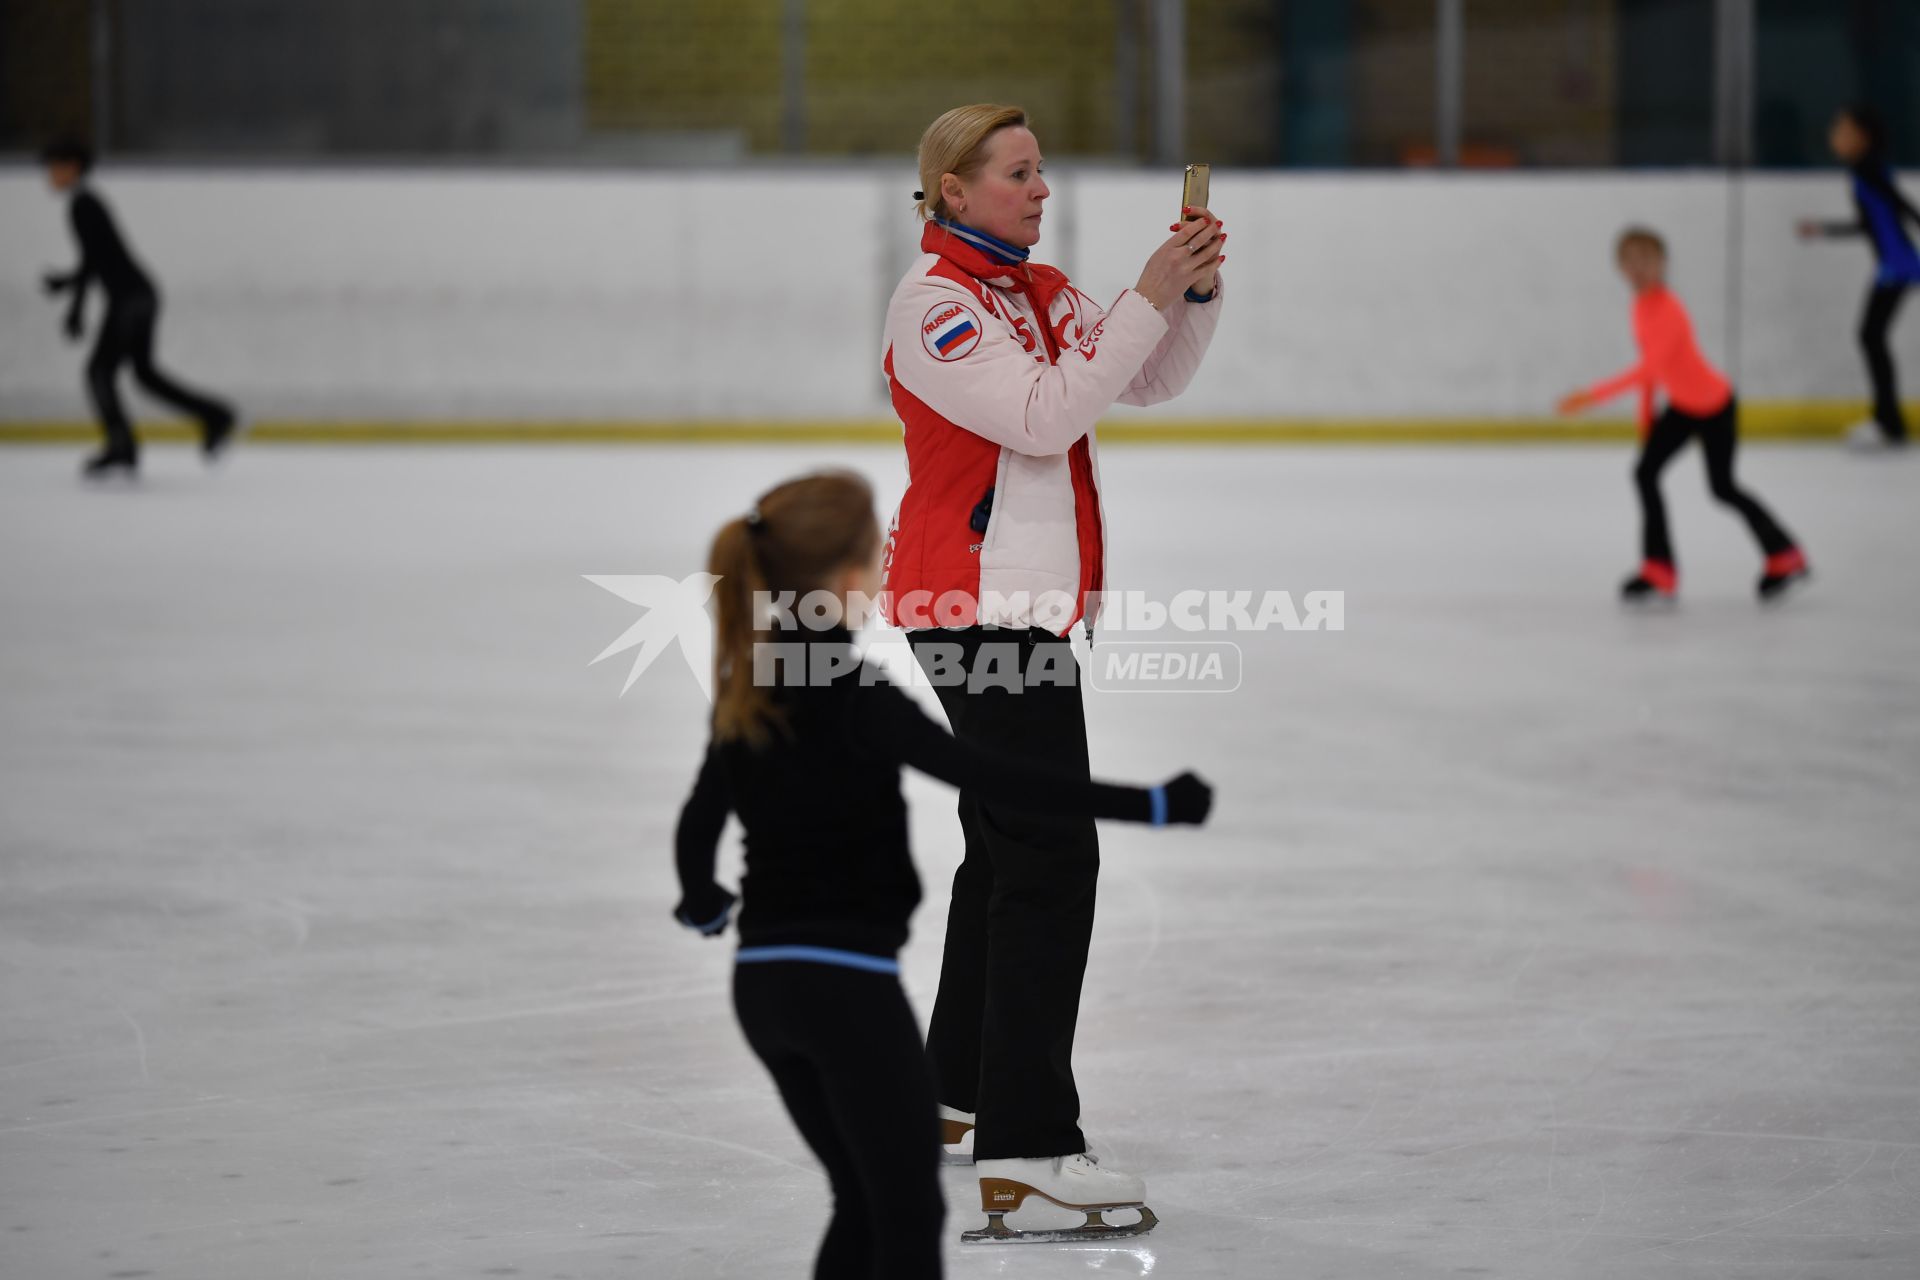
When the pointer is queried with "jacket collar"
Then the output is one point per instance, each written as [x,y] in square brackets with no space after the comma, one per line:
[993,261]
[961,243]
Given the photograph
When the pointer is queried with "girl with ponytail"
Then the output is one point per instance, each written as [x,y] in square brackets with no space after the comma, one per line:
[807,747]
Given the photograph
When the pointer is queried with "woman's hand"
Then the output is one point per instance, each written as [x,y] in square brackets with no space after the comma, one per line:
[1188,260]
[1574,401]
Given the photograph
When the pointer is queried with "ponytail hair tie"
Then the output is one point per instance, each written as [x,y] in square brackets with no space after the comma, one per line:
[919,195]
[753,519]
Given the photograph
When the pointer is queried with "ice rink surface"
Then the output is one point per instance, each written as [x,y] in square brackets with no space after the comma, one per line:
[1532,938]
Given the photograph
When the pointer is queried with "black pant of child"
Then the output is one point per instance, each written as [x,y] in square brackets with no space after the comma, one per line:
[845,1052]
[1670,433]
[1882,301]
[1001,1035]
[126,338]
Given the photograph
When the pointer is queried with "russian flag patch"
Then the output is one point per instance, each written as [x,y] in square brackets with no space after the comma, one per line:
[950,331]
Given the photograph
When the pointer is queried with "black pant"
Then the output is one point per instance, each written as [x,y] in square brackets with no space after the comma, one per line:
[126,338]
[1670,433]
[1001,1037]
[845,1051]
[1882,301]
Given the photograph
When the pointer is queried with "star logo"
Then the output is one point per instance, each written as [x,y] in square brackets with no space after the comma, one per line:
[674,611]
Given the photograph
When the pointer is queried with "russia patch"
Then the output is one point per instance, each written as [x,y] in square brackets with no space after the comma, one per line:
[951,330]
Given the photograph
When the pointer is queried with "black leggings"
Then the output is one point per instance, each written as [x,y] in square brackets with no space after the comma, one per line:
[1882,301]
[1671,431]
[845,1051]
[126,338]
[1001,1036]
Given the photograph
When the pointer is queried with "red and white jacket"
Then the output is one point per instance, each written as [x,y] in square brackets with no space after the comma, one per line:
[999,370]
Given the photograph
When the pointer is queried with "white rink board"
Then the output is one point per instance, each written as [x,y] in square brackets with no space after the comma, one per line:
[1532,939]
[759,294]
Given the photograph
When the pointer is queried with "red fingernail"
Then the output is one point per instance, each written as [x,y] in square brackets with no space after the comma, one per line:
[1174,227]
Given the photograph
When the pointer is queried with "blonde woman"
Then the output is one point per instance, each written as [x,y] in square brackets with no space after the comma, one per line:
[999,368]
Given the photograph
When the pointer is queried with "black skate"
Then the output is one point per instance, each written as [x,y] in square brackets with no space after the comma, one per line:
[220,433]
[1656,583]
[1784,569]
[108,465]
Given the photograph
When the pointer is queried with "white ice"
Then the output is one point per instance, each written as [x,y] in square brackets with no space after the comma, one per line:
[1532,938]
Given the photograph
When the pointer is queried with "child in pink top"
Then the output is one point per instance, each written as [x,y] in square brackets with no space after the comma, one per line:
[1699,402]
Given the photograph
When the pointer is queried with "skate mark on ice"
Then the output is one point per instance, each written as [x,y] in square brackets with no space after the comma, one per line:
[1738,1133]
[139,1040]
[555,1010]
[713,1142]
[1893,1174]
[117,1116]
[1651,1241]
[1599,1212]
[264,1102]
[1151,897]
[1295,1177]
[1662,1247]
[76,1056]
[589,1153]
[1293,1169]
[290,912]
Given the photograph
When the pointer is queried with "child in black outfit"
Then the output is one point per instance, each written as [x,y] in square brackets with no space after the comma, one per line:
[127,332]
[807,748]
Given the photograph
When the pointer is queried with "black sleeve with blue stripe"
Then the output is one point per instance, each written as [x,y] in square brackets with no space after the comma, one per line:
[895,726]
[704,904]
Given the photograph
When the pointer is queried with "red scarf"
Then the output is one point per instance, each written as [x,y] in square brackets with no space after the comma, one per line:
[1041,283]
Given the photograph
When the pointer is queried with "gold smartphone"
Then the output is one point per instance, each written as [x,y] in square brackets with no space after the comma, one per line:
[1193,194]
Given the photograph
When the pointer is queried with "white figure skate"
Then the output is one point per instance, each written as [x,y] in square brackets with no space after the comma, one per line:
[956,1136]
[1075,1183]
[1867,437]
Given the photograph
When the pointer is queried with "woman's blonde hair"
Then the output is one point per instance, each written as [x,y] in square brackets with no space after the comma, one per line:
[956,143]
[794,539]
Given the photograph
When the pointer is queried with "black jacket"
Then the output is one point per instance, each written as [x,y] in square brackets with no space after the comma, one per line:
[104,256]
[826,825]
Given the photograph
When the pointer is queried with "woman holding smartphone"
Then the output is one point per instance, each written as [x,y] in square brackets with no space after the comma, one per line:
[999,369]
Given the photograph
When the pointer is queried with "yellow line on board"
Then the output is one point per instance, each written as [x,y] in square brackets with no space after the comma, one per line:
[480,432]
[1763,420]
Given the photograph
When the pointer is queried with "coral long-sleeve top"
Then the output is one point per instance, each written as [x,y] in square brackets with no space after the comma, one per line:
[1670,360]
